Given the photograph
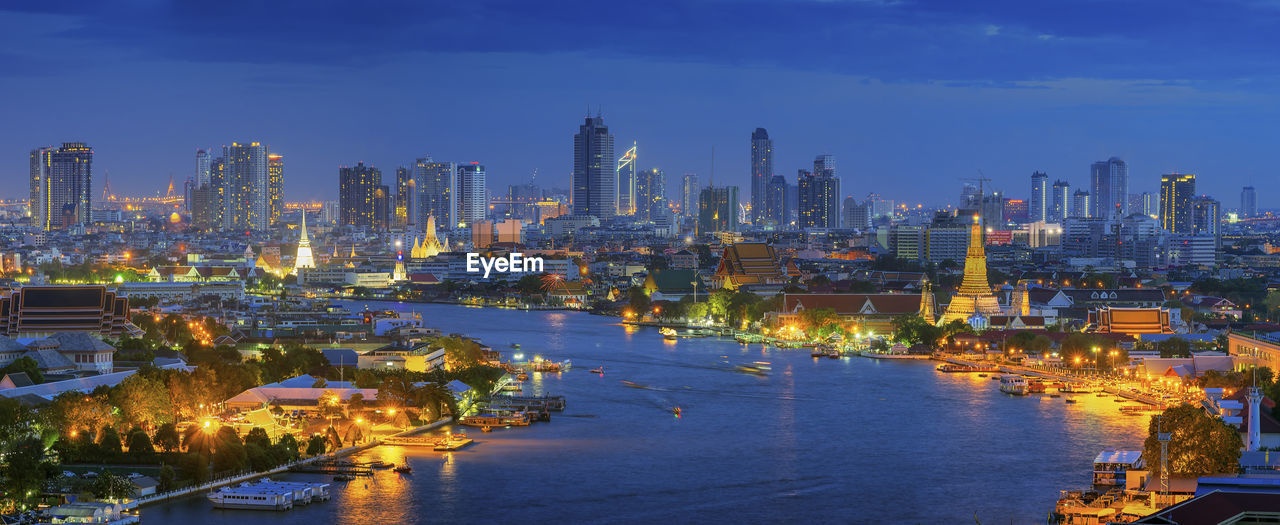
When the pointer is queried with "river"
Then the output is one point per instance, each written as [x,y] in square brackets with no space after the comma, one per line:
[852,440]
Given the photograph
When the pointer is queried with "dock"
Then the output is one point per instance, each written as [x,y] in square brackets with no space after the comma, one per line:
[334,467]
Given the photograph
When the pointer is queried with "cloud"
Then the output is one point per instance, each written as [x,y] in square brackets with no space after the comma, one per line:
[991,30]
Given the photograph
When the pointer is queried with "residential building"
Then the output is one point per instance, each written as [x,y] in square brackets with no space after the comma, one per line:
[1176,193]
[1109,188]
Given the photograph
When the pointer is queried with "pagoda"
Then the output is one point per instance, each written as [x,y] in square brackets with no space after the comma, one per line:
[303,258]
[974,295]
[429,246]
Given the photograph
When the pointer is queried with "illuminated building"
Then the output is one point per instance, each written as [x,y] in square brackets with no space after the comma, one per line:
[511,231]
[718,209]
[60,184]
[1109,189]
[650,193]
[594,178]
[872,312]
[41,160]
[1061,201]
[819,195]
[473,201]
[1039,206]
[747,263]
[33,311]
[1205,215]
[405,189]
[246,200]
[275,187]
[436,183]
[1108,320]
[1080,208]
[761,172]
[429,246]
[1176,193]
[1015,211]
[626,181]
[689,194]
[303,258]
[974,295]
[358,188]
[481,235]
[775,202]
[1248,202]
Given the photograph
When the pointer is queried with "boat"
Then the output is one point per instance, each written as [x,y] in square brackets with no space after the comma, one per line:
[668,332]
[483,420]
[1055,396]
[597,370]
[1069,400]
[379,464]
[982,375]
[1142,408]
[1036,387]
[515,346]
[403,469]
[522,376]
[954,368]
[818,353]
[268,495]
[1013,384]
[753,369]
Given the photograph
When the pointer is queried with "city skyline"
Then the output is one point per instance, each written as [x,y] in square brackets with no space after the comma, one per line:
[889,123]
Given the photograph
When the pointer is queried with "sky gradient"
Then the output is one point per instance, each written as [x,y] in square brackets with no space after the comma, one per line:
[910,96]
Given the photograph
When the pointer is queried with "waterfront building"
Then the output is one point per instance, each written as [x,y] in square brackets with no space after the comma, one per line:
[748,263]
[1061,201]
[194,274]
[761,172]
[473,199]
[358,188]
[275,188]
[245,195]
[867,312]
[1176,192]
[626,182]
[594,180]
[1254,348]
[1248,202]
[1109,189]
[40,310]
[303,257]
[1039,204]
[673,284]
[974,295]
[718,209]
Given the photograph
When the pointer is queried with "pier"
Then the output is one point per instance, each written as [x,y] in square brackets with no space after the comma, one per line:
[334,467]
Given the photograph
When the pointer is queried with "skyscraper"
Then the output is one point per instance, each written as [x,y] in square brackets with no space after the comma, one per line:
[1038,207]
[404,196]
[651,187]
[857,215]
[1176,192]
[761,172]
[1206,215]
[1080,208]
[594,178]
[1061,198]
[627,182]
[204,163]
[718,209]
[819,195]
[67,183]
[41,165]
[436,183]
[275,187]
[358,195]
[246,199]
[1248,202]
[689,194]
[1109,189]
[473,200]
[775,202]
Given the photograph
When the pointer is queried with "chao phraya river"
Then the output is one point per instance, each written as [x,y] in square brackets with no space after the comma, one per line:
[852,440]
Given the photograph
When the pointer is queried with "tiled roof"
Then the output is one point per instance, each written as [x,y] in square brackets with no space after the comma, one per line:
[854,303]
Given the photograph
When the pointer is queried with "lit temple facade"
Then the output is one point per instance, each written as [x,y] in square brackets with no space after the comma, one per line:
[303,259]
[974,295]
[429,246]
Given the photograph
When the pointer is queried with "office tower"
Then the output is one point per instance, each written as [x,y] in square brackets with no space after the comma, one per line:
[1061,198]
[1015,211]
[189,195]
[1206,215]
[626,177]
[775,202]
[67,184]
[41,164]
[689,194]
[593,180]
[436,182]
[761,172]
[718,209]
[275,187]
[1109,189]
[880,207]
[1079,205]
[473,198]
[857,215]
[358,188]
[204,164]
[651,187]
[246,201]
[1142,204]
[819,192]
[402,196]
[1248,203]
[1176,192]
[1038,207]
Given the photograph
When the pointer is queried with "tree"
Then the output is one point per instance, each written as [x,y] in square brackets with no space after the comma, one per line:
[110,443]
[1174,347]
[287,447]
[1028,342]
[258,436]
[913,329]
[482,378]
[74,413]
[460,352]
[638,300]
[167,437]
[25,365]
[142,401]
[140,447]
[229,454]
[25,469]
[315,445]
[355,404]
[111,486]
[814,318]
[1199,445]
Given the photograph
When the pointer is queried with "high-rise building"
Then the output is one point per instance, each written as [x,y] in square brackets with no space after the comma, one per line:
[204,163]
[627,182]
[1142,204]
[1109,189]
[1015,211]
[41,165]
[1080,208]
[275,187]
[594,192]
[775,203]
[1061,198]
[1176,192]
[761,172]
[819,195]
[358,188]
[857,215]
[436,183]
[1206,215]
[1248,203]
[246,200]
[1038,208]
[651,187]
[473,199]
[718,209]
[689,194]
[880,207]
[403,197]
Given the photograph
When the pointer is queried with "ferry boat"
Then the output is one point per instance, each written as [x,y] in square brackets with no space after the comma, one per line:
[268,495]
[403,469]
[597,370]
[1013,384]
[483,420]
[668,332]
[954,368]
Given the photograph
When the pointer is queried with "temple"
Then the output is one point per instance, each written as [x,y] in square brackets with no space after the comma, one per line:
[303,258]
[429,246]
[974,295]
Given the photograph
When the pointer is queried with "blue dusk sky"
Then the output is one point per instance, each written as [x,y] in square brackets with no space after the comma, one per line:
[908,95]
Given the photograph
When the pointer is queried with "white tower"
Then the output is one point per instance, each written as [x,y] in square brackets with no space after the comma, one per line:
[1253,434]
[304,258]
